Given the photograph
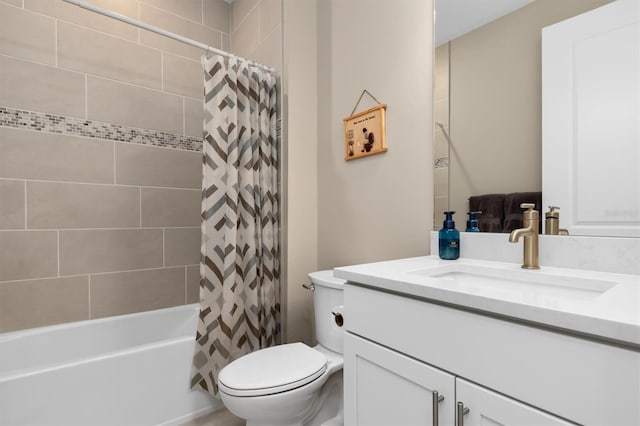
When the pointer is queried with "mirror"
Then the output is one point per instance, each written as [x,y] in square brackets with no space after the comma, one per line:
[488,98]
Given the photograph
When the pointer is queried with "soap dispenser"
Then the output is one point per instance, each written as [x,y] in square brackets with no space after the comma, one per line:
[472,223]
[552,222]
[449,238]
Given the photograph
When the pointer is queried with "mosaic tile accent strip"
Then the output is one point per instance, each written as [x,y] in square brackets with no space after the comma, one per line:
[39,121]
[441,163]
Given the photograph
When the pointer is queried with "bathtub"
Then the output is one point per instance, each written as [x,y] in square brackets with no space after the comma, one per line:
[126,370]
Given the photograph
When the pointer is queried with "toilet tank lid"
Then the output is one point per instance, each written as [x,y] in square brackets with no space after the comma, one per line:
[326,278]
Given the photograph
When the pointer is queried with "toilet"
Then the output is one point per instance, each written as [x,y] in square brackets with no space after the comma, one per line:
[293,384]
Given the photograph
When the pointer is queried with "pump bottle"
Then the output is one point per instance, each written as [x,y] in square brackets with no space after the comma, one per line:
[472,223]
[449,239]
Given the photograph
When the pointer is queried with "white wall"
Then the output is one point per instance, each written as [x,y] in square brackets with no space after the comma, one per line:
[377,207]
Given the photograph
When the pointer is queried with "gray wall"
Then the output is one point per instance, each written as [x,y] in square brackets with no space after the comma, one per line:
[100,139]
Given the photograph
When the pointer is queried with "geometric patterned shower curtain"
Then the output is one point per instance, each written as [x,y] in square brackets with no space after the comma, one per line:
[239,265]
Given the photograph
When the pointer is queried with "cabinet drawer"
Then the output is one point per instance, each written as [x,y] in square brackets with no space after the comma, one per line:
[581,380]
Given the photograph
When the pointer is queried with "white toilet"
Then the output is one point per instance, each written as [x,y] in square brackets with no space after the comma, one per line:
[293,384]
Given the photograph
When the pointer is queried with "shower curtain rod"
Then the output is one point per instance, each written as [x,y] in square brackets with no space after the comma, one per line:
[160,31]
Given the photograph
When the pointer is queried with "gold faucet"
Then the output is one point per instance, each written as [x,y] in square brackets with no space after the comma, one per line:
[531,219]
[552,222]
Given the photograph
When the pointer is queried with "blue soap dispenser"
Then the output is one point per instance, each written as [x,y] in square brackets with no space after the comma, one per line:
[449,239]
[472,223]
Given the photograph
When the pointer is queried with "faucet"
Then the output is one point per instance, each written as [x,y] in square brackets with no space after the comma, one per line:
[531,219]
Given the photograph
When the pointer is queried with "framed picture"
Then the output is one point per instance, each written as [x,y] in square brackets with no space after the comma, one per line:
[365,133]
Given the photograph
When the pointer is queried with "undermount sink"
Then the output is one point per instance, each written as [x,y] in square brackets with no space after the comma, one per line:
[506,282]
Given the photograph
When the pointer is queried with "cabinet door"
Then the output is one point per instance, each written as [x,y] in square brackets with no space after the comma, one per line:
[384,387]
[488,408]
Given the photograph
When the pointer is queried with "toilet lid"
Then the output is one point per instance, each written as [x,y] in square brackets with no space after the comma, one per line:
[272,370]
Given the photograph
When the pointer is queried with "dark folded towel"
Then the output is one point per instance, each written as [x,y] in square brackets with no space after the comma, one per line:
[492,208]
[513,211]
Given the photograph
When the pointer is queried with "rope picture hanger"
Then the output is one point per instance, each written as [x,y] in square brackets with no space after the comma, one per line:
[365,130]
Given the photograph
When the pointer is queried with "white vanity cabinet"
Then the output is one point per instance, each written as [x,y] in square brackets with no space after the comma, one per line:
[388,388]
[400,349]
[384,387]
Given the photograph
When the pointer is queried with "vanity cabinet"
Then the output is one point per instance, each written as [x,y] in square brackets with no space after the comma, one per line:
[384,387]
[399,350]
[389,388]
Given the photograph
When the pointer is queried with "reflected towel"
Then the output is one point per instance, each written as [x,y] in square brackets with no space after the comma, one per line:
[492,208]
[513,211]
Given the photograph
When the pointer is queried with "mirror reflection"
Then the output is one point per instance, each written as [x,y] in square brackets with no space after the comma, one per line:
[488,104]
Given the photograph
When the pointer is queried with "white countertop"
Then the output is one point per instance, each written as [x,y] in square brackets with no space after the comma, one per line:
[612,315]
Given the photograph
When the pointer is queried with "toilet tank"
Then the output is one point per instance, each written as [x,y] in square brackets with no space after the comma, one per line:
[327,300]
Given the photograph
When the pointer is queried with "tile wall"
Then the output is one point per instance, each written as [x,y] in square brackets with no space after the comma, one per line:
[100,128]
[441,152]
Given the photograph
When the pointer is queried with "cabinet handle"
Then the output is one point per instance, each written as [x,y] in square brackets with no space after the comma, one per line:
[435,400]
[461,411]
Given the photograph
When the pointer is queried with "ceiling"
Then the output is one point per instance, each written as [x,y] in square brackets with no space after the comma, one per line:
[457,17]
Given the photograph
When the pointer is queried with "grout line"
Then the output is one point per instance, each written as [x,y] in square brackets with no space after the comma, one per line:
[104,184]
[55,40]
[135,228]
[99,273]
[58,250]
[185,285]
[89,295]
[140,205]
[26,225]
[86,96]
[184,116]
[163,247]
[162,71]
[114,164]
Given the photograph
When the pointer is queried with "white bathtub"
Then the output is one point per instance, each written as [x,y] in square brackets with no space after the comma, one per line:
[125,370]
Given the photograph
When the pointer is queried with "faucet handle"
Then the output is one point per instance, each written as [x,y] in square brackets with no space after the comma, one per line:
[529,206]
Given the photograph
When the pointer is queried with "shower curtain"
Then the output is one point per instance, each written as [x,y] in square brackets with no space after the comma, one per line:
[239,264]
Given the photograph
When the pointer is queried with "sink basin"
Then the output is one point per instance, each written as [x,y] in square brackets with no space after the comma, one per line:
[511,282]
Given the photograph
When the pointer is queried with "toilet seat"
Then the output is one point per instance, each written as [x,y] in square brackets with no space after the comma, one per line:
[272,370]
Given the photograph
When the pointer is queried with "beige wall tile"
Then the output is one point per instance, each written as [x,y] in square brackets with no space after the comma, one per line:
[216,15]
[189,9]
[126,292]
[35,87]
[46,156]
[11,204]
[193,117]
[91,52]
[270,17]
[36,303]
[28,254]
[241,9]
[72,205]
[13,2]
[441,181]
[170,207]
[245,39]
[151,166]
[269,51]
[226,42]
[193,284]
[182,246]
[89,251]
[441,204]
[36,44]
[135,106]
[71,13]
[182,76]
[175,24]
